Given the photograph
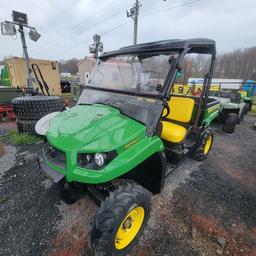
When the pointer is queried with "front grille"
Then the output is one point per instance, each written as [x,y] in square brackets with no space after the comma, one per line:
[55,156]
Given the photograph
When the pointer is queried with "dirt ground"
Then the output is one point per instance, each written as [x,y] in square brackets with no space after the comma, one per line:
[205,209]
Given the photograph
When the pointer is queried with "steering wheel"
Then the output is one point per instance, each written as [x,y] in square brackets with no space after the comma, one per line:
[166,106]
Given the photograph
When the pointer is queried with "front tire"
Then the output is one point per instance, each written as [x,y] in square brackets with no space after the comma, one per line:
[230,123]
[205,146]
[120,220]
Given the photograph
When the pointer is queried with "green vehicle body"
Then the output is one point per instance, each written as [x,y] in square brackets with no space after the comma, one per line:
[227,106]
[5,79]
[114,145]
[100,128]
[104,130]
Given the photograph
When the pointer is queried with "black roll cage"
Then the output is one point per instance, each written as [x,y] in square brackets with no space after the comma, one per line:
[200,46]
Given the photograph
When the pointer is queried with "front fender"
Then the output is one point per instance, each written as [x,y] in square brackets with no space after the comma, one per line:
[123,163]
[42,124]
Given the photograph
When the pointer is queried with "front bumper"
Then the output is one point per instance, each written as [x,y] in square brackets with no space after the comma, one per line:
[50,173]
[120,165]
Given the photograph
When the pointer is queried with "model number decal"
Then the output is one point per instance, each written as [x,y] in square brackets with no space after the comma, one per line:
[210,110]
[131,143]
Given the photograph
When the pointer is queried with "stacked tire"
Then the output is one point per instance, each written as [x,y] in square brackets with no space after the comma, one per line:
[30,109]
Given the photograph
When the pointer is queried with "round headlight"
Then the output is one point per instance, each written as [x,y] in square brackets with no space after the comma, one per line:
[99,159]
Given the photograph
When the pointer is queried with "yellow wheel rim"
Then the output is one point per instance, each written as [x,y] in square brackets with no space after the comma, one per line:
[129,228]
[208,144]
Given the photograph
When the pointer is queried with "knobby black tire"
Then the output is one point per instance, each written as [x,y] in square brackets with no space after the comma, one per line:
[35,107]
[230,123]
[26,126]
[199,154]
[110,215]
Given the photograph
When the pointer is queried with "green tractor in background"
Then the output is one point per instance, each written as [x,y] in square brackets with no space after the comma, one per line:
[126,135]
[5,79]
[247,94]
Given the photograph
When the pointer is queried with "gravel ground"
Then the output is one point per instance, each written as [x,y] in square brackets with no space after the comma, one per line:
[205,209]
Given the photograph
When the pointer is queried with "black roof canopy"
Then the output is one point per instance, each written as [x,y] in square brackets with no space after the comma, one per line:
[196,45]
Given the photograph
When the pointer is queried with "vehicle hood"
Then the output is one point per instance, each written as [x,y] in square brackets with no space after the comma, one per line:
[93,128]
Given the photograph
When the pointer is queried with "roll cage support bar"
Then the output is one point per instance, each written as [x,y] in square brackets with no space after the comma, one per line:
[169,83]
[199,48]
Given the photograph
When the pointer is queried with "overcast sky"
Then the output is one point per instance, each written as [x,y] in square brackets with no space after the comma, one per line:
[67,26]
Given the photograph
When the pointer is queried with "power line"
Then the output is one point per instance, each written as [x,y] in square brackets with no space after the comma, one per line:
[56,40]
[93,15]
[110,30]
[114,28]
[171,8]
[82,43]
[105,19]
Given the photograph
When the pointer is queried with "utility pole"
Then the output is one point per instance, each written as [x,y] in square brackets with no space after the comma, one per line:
[8,28]
[134,14]
[24,46]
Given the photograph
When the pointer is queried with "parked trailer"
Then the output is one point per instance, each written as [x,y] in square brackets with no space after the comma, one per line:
[15,71]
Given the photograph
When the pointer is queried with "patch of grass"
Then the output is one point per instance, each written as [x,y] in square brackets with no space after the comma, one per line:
[18,139]
[3,200]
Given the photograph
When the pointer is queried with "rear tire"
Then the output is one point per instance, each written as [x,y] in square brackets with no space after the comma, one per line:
[35,107]
[230,123]
[115,220]
[26,126]
[205,146]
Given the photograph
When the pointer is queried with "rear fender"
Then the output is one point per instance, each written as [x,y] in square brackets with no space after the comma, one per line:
[211,113]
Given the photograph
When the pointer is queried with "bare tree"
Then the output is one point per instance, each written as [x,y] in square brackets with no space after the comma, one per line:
[69,66]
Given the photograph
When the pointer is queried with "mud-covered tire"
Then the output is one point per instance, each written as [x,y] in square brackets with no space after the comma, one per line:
[26,126]
[35,107]
[112,214]
[230,123]
[205,145]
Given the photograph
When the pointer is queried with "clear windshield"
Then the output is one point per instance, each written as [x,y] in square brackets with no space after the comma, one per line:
[135,75]
[141,109]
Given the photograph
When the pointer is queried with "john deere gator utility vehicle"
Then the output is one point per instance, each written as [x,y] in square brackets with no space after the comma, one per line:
[116,142]
[232,109]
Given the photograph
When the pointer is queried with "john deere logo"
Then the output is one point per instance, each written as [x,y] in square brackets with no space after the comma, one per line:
[131,143]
